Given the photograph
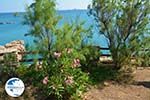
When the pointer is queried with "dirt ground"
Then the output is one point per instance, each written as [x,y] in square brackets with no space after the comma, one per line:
[140,91]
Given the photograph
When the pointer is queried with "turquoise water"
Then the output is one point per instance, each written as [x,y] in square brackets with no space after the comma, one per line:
[16,30]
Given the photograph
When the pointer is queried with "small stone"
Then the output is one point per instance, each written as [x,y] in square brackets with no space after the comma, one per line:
[134,72]
[106,84]
[140,68]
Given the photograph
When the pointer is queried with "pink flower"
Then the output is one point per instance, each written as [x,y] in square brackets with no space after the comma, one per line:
[69,80]
[57,54]
[76,63]
[45,80]
[69,50]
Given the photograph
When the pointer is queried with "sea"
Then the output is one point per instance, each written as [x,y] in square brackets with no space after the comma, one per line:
[14,29]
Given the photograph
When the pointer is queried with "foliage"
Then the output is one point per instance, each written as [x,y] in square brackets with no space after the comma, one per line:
[65,76]
[100,74]
[91,54]
[42,19]
[63,48]
[144,54]
[62,77]
[7,67]
[124,23]
[124,77]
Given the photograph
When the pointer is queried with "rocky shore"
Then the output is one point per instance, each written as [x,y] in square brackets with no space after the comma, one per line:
[15,47]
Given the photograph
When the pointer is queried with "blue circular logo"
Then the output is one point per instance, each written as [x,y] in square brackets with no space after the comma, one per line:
[14,87]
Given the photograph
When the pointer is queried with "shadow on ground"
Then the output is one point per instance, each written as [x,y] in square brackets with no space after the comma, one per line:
[146,84]
[101,73]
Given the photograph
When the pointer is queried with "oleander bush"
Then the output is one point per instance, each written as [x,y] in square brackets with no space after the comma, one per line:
[63,48]
[62,78]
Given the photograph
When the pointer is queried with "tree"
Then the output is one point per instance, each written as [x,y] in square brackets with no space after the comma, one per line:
[124,23]
[43,21]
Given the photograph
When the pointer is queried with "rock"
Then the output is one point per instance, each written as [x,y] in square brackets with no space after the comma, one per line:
[39,65]
[2,49]
[105,59]
[106,83]
[9,50]
[140,68]
[13,47]
[14,43]
[3,23]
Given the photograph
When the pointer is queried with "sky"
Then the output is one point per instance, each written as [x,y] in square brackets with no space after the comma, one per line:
[19,5]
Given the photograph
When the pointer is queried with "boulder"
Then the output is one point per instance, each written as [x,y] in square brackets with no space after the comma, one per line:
[14,43]
[2,49]
[13,47]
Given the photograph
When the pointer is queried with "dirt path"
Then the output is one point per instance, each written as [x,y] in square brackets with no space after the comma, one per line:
[141,91]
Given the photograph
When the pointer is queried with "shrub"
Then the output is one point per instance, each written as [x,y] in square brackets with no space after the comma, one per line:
[7,67]
[63,77]
[62,47]
[92,54]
